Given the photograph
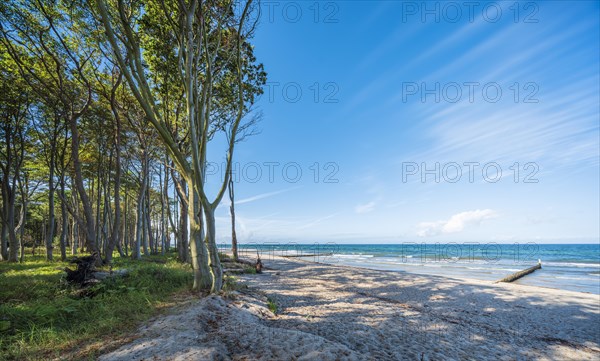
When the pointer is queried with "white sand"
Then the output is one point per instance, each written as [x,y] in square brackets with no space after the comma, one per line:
[343,313]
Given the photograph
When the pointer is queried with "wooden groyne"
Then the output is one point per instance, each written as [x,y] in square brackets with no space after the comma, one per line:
[525,272]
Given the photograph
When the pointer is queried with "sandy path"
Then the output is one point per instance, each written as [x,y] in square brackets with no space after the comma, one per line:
[342,313]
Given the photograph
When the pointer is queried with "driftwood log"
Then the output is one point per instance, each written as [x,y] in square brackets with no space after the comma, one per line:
[515,276]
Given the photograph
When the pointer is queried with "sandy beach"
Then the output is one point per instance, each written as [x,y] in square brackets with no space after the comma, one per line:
[327,312]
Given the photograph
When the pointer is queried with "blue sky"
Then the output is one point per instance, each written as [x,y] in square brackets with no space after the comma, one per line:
[372,93]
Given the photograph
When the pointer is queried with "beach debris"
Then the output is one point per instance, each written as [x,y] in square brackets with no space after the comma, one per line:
[258,265]
[515,276]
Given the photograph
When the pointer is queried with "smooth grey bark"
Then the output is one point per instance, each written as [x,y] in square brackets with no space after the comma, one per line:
[214,263]
[199,252]
[51,191]
[115,237]
[26,193]
[98,191]
[234,245]
[14,139]
[4,232]
[24,188]
[6,197]
[164,202]
[148,239]
[13,252]
[107,211]
[184,241]
[63,200]
[126,236]
[65,221]
[88,225]
[140,232]
[75,224]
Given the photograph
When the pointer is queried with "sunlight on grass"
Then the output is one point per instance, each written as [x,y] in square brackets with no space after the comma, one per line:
[42,317]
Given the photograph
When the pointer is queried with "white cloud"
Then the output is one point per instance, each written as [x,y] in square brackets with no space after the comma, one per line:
[364,208]
[456,223]
[264,195]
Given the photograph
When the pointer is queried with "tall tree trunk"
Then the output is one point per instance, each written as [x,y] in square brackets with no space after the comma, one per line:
[10,175]
[24,188]
[22,232]
[74,237]
[5,184]
[171,218]
[214,263]
[13,242]
[98,191]
[89,227]
[126,236]
[140,231]
[199,252]
[51,190]
[106,213]
[139,224]
[60,164]
[65,220]
[234,246]
[149,241]
[184,253]
[115,237]
[4,231]
[75,225]
[164,202]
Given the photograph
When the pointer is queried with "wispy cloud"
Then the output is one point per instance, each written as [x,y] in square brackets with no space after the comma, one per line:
[364,208]
[560,128]
[263,196]
[455,224]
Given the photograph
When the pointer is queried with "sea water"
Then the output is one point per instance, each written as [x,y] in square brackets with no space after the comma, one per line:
[574,267]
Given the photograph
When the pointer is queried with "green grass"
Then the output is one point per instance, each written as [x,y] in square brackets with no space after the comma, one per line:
[42,317]
[272,305]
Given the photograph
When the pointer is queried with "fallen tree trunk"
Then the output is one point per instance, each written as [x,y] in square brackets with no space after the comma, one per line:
[515,276]
[103,274]
[84,271]
[86,274]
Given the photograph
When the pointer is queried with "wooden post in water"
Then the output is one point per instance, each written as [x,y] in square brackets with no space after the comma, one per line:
[525,272]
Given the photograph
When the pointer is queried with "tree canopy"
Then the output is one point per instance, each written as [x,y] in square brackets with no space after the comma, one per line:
[107,109]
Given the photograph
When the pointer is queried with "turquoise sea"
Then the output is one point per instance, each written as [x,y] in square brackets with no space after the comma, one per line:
[574,267]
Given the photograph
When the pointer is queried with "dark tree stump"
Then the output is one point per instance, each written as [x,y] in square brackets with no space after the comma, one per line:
[258,266]
[84,273]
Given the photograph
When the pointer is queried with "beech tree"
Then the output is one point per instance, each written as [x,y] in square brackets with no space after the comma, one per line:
[56,63]
[108,108]
[14,128]
[210,36]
